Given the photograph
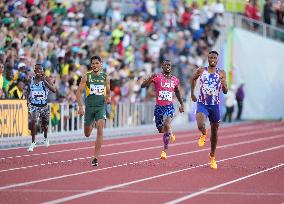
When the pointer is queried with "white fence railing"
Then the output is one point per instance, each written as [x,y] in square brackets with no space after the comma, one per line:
[64,117]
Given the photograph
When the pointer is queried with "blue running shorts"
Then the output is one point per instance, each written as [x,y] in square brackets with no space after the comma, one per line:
[210,111]
[161,111]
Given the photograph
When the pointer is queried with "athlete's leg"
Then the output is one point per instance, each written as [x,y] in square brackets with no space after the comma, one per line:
[214,137]
[167,133]
[158,114]
[89,120]
[33,118]
[88,130]
[44,114]
[100,118]
[214,118]
[200,119]
[99,140]
[33,125]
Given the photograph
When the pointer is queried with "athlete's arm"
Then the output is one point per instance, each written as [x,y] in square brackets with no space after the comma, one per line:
[49,84]
[108,100]
[223,81]
[79,93]
[28,93]
[148,81]
[196,75]
[178,95]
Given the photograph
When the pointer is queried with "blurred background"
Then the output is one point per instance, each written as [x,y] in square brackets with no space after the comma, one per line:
[132,37]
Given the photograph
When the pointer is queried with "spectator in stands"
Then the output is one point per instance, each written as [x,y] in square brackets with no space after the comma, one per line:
[240,95]
[280,13]
[252,12]
[17,92]
[1,79]
[230,102]
[267,11]
[68,33]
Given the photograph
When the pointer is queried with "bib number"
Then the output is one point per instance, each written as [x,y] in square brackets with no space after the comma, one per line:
[38,95]
[97,89]
[165,96]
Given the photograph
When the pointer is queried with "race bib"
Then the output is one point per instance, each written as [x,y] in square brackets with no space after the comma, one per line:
[38,95]
[165,96]
[210,90]
[97,89]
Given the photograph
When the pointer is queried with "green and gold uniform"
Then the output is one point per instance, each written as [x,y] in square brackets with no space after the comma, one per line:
[95,97]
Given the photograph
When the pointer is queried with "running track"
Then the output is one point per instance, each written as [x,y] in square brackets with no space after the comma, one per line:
[250,160]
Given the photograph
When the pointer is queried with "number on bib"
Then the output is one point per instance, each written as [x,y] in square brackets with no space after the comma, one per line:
[165,96]
[97,89]
[38,95]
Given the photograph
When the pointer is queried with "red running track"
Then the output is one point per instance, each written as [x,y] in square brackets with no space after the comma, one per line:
[250,160]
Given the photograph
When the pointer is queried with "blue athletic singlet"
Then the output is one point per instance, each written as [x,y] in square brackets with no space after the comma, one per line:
[210,86]
[38,93]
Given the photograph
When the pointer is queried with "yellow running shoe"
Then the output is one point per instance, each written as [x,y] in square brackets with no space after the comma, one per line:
[173,138]
[213,163]
[201,141]
[163,155]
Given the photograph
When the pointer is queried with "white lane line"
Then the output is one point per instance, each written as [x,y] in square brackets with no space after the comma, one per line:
[195,133]
[80,195]
[183,135]
[185,192]
[221,185]
[145,192]
[129,151]
[131,163]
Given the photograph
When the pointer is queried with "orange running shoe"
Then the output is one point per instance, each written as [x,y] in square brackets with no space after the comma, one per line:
[213,163]
[163,155]
[173,138]
[201,141]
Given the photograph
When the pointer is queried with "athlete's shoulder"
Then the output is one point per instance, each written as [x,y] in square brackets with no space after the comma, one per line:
[104,75]
[201,69]
[175,78]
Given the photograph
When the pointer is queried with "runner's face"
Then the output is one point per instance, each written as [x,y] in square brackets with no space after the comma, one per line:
[96,65]
[212,59]
[167,67]
[38,71]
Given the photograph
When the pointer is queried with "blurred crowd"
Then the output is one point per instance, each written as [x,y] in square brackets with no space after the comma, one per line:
[272,9]
[64,36]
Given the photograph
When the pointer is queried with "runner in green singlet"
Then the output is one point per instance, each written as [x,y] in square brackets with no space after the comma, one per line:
[97,85]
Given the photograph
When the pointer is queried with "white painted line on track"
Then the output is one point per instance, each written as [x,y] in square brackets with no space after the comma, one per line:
[128,151]
[181,135]
[146,192]
[133,163]
[184,198]
[80,195]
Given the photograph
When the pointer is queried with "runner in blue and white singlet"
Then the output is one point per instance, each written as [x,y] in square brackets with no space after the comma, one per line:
[210,87]
[212,80]
[37,93]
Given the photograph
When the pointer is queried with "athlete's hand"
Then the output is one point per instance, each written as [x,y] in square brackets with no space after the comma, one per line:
[153,76]
[223,77]
[81,110]
[108,100]
[181,108]
[193,98]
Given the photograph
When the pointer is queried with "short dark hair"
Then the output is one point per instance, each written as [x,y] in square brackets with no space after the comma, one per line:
[96,57]
[165,61]
[40,64]
[214,52]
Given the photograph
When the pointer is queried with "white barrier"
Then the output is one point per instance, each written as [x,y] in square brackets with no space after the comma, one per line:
[122,115]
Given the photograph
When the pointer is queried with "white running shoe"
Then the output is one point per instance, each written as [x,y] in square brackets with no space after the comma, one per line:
[46,142]
[32,146]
